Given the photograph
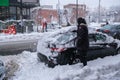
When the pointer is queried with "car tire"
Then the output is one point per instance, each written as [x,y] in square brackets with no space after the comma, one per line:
[51,64]
[67,56]
[42,58]
[63,59]
[77,60]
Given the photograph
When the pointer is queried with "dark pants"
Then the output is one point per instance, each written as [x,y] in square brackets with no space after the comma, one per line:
[82,55]
[44,29]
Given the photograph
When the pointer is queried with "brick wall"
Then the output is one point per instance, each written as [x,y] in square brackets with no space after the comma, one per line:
[72,11]
[47,14]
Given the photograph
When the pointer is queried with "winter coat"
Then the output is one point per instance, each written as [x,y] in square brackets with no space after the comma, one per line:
[44,24]
[82,38]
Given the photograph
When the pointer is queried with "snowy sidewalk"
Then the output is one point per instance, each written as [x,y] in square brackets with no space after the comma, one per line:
[31,69]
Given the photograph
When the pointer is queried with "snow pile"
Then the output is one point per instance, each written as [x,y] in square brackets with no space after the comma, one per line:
[17,37]
[95,25]
[31,69]
[109,72]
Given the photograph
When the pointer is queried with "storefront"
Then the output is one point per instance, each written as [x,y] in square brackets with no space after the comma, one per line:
[14,9]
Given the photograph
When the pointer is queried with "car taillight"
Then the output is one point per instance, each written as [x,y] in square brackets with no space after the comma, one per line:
[61,49]
[97,30]
[57,49]
[106,31]
[53,49]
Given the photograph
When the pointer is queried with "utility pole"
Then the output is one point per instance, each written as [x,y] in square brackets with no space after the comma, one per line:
[99,14]
[21,15]
[37,13]
[76,10]
[59,11]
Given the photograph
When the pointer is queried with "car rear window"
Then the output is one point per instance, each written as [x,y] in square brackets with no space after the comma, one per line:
[108,27]
[66,37]
[97,37]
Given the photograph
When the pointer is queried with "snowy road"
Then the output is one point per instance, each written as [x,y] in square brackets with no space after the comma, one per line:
[18,46]
[12,44]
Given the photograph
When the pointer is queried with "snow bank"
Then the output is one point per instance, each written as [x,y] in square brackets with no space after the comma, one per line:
[17,37]
[95,25]
[31,69]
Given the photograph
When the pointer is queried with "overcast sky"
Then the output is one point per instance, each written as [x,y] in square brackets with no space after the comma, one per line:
[89,3]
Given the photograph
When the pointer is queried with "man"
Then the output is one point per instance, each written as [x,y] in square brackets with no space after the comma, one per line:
[44,25]
[82,40]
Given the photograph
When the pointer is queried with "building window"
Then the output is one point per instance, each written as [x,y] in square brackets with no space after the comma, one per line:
[12,10]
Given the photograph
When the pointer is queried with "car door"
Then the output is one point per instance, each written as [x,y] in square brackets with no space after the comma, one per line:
[98,46]
[117,32]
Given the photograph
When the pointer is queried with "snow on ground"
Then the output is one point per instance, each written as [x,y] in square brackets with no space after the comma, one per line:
[31,69]
[17,37]
[95,25]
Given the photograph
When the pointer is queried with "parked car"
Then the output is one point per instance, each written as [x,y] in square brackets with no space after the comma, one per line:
[59,48]
[111,29]
[27,25]
[2,25]
[14,26]
[9,30]
[2,70]
[53,26]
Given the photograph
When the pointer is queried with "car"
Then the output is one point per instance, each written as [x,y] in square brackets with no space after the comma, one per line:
[9,30]
[111,29]
[27,25]
[2,70]
[53,26]
[2,25]
[59,47]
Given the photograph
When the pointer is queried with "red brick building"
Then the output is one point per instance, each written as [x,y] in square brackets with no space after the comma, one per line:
[48,14]
[42,13]
[70,10]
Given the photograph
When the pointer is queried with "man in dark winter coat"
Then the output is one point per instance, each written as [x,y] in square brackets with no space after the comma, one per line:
[82,40]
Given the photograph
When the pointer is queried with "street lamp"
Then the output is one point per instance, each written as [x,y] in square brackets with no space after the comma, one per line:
[59,11]
[21,14]
[99,15]
[76,10]
[21,9]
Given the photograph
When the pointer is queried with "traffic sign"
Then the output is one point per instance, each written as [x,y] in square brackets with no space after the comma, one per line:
[4,2]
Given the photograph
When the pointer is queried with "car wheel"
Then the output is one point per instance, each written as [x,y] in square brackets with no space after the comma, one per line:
[51,64]
[76,59]
[63,59]
[42,58]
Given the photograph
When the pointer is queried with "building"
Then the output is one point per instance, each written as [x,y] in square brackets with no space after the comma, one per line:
[16,9]
[72,11]
[66,16]
[48,15]
[45,12]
